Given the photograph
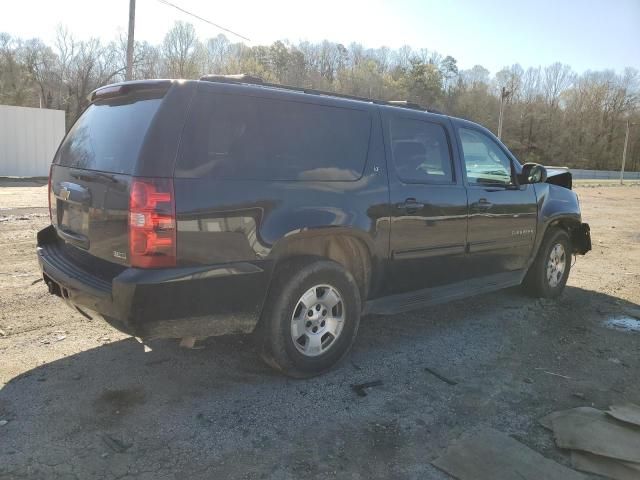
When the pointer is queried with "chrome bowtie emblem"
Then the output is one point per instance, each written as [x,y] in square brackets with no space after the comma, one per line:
[65,193]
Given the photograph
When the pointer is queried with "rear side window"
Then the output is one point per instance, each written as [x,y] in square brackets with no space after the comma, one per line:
[420,151]
[108,136]
[252,138]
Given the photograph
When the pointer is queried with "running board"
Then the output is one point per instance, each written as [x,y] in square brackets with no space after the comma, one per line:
[404,302]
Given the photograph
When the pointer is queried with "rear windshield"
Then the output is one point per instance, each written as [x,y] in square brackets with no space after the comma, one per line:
[108,136]
[253,138]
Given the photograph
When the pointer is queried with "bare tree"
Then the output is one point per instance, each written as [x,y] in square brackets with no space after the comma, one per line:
[557,78]
[552,116]
[41,62]
[218,50]
[179,50]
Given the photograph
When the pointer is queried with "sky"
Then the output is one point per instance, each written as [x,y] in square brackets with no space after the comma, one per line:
[586,34]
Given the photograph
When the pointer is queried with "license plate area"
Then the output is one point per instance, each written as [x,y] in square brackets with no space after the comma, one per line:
[73,218]
[73,223]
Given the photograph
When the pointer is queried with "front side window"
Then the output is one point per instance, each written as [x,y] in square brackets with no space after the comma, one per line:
[485,162]
[420,151]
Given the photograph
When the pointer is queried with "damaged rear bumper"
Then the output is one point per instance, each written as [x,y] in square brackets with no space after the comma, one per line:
[158,303]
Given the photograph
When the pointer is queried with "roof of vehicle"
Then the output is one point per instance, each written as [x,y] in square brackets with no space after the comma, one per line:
[244,79]
[254,81]
[257,85]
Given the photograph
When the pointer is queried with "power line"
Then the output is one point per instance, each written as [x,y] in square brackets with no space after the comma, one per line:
[165,2]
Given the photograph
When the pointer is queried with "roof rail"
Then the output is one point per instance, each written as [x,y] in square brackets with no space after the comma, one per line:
[255,80]
[406,104]
[238,78]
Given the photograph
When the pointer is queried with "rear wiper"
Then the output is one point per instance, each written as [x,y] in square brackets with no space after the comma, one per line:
[94,175]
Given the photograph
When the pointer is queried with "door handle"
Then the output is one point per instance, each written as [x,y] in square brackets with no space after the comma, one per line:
[484,204]
[410,205]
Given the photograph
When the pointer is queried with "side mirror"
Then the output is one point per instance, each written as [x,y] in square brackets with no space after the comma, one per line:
[532,173]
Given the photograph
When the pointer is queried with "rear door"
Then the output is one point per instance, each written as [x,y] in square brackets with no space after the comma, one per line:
[93,168]
[428,202]
[502,214]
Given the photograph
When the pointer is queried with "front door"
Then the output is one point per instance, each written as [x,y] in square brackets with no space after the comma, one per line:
[428,203]
[502,214]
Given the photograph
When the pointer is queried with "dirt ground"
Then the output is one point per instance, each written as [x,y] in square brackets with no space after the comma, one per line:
[80,400]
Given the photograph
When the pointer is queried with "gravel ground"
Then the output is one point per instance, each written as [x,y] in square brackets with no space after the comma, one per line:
[80,400]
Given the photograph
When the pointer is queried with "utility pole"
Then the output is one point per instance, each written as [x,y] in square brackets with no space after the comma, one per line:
[504,95]
[624,153]
[132,21]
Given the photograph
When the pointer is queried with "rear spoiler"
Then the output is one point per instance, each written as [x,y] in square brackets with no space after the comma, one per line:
[126,88]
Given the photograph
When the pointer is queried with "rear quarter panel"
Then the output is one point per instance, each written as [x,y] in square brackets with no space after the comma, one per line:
[221,221]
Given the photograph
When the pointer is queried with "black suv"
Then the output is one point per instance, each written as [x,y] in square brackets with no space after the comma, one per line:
[186,209]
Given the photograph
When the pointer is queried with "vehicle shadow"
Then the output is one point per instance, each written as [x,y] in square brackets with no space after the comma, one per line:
[117,407]
[23,181]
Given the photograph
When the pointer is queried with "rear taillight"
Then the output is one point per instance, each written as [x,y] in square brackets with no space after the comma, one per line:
[152,223]
[50,193]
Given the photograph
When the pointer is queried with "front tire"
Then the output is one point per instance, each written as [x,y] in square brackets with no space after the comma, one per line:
[549,273]
[310,319]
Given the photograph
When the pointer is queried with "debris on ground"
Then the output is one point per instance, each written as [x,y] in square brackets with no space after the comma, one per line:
[116,444]
[186,342]
[361,388]
[604,443]
[440,376]
[189,343]
[628,412]
[623,323]
[606,467]
[3,423]
[490,455]
[557,375]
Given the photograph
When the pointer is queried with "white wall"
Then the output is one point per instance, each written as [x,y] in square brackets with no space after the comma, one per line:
[604,174]
[29,138]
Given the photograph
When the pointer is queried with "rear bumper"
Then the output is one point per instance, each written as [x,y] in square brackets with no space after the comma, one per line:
[159,303]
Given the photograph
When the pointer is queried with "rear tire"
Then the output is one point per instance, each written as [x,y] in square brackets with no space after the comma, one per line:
[310,318]
[548,274]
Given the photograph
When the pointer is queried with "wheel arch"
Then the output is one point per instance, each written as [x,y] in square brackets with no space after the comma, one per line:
[558,207]
[569,224]
[345,248]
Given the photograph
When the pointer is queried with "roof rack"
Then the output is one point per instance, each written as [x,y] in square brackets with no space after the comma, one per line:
[254,80]
[238,78]
[406,104]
